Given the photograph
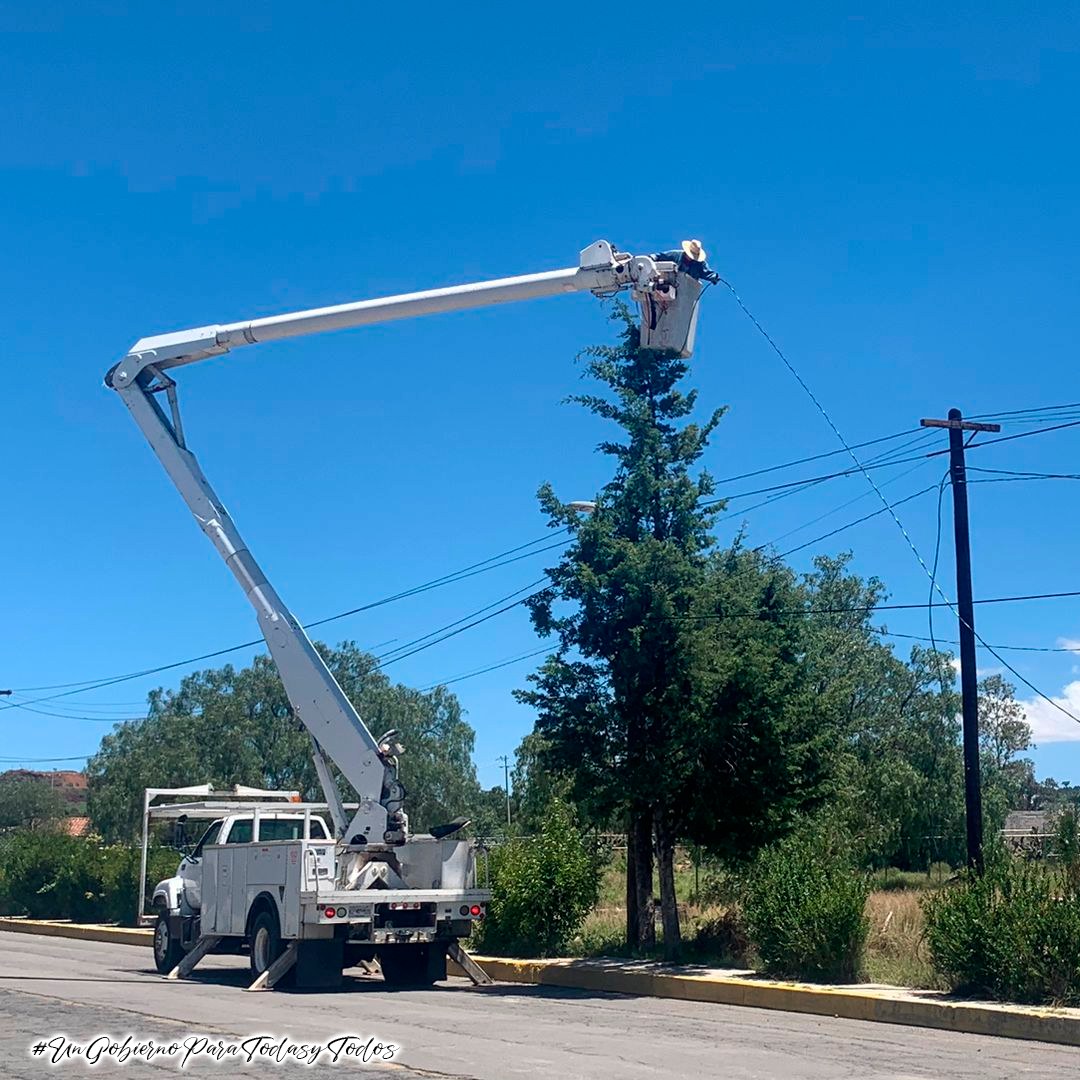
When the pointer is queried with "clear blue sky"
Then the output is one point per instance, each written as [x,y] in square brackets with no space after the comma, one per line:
[894,194]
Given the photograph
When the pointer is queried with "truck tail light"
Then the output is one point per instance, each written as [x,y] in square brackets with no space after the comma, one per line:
[476,910]
[341,913]
[329,913]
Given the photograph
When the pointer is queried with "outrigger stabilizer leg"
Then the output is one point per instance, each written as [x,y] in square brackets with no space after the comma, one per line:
[187,965]
[467,964]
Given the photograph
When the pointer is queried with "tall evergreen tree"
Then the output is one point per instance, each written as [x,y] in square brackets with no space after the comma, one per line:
[674,699]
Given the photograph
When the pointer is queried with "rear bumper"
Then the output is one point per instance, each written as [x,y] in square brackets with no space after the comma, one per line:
[370,917]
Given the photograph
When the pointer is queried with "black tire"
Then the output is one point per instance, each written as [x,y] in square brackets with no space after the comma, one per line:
[409,965]
[168,952]
[264,941]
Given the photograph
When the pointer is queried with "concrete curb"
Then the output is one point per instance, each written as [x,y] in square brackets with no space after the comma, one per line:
[118,935]
[882,1004]
[888,1005]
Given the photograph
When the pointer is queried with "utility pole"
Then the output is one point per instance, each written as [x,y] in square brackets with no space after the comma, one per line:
[506,784]
[969,685]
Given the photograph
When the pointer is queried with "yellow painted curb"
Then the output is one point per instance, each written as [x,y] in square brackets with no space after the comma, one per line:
[118,935]
[883,1005]
[888,1006]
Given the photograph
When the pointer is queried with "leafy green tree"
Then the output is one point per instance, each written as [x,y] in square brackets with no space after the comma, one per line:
[235,726]
[1008,781]
[535,785]
[542,888]
[28,803]
[901,782]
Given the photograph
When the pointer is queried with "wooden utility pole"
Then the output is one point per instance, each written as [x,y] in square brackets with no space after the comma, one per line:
[969,683]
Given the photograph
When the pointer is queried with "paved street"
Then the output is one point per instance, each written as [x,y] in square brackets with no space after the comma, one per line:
[51,986]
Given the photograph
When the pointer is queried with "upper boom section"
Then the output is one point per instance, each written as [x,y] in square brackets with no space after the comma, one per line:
[666,290]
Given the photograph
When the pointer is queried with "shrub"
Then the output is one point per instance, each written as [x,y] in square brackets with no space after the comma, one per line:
[803,902]
[542,889]
[50,875]
[718,935]
[1067,847]
[1012,934]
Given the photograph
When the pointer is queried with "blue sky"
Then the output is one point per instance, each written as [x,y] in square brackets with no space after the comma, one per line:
[894,195]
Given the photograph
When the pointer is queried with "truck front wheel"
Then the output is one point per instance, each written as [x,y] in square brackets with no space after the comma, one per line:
[168,952]
[264,942]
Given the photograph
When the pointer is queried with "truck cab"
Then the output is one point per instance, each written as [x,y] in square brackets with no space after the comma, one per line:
[177,901]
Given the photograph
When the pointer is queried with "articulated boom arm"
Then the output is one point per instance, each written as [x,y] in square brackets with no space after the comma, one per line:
[667,292]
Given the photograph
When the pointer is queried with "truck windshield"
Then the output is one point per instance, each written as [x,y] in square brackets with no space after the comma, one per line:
[289,829]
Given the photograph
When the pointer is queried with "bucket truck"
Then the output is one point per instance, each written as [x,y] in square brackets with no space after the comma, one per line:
[306,894]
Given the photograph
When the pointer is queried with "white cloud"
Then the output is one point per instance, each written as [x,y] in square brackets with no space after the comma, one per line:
[1069,643]
[1050,725]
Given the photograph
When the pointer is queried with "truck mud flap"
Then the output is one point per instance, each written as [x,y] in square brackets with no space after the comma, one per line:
[319,963]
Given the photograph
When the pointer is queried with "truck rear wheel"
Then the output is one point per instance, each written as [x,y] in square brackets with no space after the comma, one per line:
[264,942]
[413,965]
[168,952]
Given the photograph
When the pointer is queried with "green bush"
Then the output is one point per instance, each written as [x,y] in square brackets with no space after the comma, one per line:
[50,875]
[542,889]
[803,903]
[1012,934]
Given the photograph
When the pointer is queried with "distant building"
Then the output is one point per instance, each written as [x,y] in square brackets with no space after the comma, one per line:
[1029,829]
[70,784]
[75,826]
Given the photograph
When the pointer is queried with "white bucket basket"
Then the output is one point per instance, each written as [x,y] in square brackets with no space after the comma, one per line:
[670,321]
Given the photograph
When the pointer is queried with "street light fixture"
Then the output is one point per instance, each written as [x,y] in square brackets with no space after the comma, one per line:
[583,506]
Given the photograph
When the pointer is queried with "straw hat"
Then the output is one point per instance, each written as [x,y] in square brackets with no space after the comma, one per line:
[692,249]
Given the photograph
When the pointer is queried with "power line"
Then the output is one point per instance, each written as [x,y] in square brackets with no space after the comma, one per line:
[446,579]
[899,524]
[467,626]
[426,641]
[813,457]
[810,480]
[405,650]
[1026,412]
[1013,474]
[952,641]
[485,670]
[1018,435]
[852,524]
[866,608]
[41,760]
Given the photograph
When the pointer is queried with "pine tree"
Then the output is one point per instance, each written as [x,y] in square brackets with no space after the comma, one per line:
[615,700]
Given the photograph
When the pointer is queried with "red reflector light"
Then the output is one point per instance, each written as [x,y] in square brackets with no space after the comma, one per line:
[329,912]
[475,910]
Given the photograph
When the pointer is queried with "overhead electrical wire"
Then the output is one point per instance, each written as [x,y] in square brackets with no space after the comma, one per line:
[43,760]
[899,524]
[447,579]
[885,459]
[857,521]
[952,641]
[485,670]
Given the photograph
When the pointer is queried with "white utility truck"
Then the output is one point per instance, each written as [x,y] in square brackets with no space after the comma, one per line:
[307,893]
[270,860]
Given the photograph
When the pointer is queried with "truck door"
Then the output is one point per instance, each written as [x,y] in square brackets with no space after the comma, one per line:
[190,870]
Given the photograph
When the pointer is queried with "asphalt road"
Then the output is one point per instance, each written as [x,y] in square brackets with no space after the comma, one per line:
[54,987]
